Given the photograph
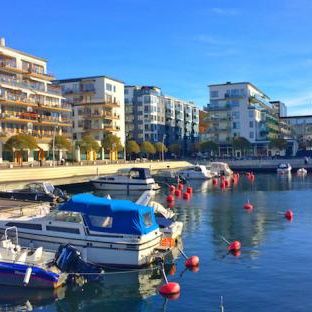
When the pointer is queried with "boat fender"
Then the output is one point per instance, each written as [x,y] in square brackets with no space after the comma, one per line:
[27,276]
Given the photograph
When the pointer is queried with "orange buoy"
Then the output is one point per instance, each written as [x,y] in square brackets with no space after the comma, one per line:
[171,288]
[234,246]
[222,185]
[214,181]
[180,186]
[289,215]
[226,183]
[177,193]
[248,206]
[192,261]
[189,190]
[186,195]
[171,188]
[170,198]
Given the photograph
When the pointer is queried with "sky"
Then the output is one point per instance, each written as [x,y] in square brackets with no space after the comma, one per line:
[180,46]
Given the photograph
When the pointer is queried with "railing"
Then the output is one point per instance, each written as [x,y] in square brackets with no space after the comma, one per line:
[34,117]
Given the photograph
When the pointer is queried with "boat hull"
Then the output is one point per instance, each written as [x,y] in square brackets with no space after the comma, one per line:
[124,187]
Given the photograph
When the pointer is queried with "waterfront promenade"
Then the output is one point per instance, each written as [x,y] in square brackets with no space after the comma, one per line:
[13,175]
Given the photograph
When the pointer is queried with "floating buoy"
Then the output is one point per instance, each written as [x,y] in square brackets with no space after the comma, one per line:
[170,198]
[214,181]
[222,178]
[171,188]
[248,206]
[289,215]
[186,195]
[189,190]
[226,183]
[222,185]
[234,246]
[170,288]
[177,193]
[170,205]
[180,186]
[192,261]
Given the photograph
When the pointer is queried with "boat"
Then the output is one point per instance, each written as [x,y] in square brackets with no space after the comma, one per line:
[168,177]
[302,171]
[284,168]
[165,218]
[115,233]
[134,179]
[197,172]
[24,267]
[36,191]
[220,169]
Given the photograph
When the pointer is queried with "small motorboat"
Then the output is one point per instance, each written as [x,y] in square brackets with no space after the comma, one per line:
[39,268]
[134,179]
[302,171]
[166,221]
[168,177]
[36,191]
[197,172]
[284,168]
[220,169]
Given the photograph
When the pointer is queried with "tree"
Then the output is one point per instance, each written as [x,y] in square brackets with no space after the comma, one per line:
[111,144]
[132,147]
[160,148]
[241,143]
[175,149]
[61,143]
[18,143]
[89,145]
[208,147]
[278,143]
[148,148]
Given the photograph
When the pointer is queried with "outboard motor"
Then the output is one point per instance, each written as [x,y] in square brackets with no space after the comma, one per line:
[68,259]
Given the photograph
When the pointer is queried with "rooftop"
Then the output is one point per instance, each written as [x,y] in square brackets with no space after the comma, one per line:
[85,78]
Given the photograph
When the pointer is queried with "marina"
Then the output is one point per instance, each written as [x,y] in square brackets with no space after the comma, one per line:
[271,246]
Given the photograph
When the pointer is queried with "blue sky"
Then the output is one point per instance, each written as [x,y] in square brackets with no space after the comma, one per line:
[178,45]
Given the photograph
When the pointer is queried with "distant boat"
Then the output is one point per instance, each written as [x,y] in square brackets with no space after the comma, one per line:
[220,169]
[284,168]
[302,171]
[134,179]
[197,172]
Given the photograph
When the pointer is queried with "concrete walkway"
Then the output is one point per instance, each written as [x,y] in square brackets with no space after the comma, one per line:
[49,173]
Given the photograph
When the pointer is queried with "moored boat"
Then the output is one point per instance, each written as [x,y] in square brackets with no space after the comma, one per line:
[302,171]
[197,172]
[284,168]
[134,179]
[220,169]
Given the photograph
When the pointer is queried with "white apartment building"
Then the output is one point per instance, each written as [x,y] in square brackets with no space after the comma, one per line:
[29,103]
[97,107]
[241,110]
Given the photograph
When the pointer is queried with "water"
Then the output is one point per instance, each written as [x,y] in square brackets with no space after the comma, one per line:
[272,273]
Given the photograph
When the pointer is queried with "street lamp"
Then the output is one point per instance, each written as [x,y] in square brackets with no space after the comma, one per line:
[162,148]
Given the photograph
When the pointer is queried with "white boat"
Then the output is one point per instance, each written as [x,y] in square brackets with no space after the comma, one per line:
[166,222]
[197,172]
[134,179]
[302,171]
[106,231]
[284,168]
[220,169]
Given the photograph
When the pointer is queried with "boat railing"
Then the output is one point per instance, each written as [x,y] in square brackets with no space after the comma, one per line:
[145,198]
[11,228]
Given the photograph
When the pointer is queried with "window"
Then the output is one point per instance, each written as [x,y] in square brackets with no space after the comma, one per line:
[25,225]
[114,88]
[236,125]
[109,87]
[251,135]
[214,94]
[101,221]
[147,99]
[147,219]
[251,113]
[235,115]
[126,91]
[62,229]
[251,124]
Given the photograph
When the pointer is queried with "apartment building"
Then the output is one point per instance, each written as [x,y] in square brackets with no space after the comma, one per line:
[241,110]
[152,116]
[97,107]
[29,103]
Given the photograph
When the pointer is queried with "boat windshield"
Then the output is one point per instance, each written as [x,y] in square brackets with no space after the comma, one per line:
[34,188]
[49,187]
[283,166]
[66,216]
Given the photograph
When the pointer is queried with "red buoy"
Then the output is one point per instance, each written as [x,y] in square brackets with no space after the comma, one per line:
[248,206]
[180,186]
[234,246]
[289,215]
[170,205]
[186,195]
[171,188]
[189,190]
[214,181]
[222,178]
[222,185]
[226,183]
[192,261]
[177,193]
[170,198]
[170,288]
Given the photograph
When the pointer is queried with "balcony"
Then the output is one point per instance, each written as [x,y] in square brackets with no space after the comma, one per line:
[80,90]
[15,100]
[10,67]
[99,104]
[44,76]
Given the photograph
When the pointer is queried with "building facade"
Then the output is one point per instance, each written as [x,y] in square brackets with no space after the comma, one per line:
[29,103]
[152,116]
[241,110]
[97,108]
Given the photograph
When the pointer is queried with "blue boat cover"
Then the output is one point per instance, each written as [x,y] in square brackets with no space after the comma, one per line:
[112,215]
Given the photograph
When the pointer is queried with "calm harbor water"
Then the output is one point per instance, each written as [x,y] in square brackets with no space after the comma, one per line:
[272,273]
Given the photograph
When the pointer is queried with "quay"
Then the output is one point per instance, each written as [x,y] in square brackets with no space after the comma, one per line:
[61,175]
